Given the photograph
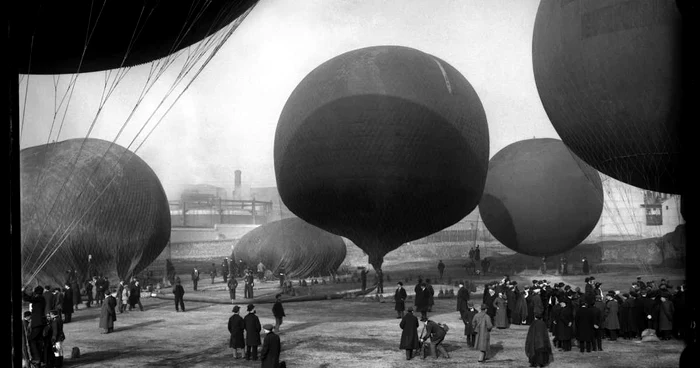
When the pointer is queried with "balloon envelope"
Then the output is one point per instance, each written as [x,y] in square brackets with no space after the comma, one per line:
[56,37]
[608,74]
[382,145]
[107,204]
[300,248]
[539,199]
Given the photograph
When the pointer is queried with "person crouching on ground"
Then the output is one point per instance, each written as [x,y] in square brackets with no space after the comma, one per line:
[271,348]
[437,336]
[538,348]
[409,333]
[482,325]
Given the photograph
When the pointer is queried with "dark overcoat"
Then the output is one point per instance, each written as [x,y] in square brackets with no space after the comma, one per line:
[612,321]
[68,301]
[108,314]
[666,316]
[467,318]
[270,353]
[585,319]
[236,326]
[400,299]
[501,317]
[409,333]
[564,327]
[252,329]
[422,299]
[462,299]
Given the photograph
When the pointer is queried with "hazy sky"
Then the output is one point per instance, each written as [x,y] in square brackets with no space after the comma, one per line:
[227,119]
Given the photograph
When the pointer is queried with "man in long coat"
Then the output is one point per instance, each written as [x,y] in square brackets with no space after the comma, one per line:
[252,333]
[612,322]
[195,278]
[271,348]
[538,349]
[422,302]
[431,294]
[38,321]
[108,314]
[467,317]
[482,325]
[67,303]
[462,298]
[537,305]
[564,324]
[179,293]
[409,334]
[666,310]
[278,312]
[236,326]
[232,284]
[400,299]
[585,321]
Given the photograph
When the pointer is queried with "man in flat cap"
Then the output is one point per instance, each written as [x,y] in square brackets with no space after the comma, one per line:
[252,331]
[409,334]
[270,353]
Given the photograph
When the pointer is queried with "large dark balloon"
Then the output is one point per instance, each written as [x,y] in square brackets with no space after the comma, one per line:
[55,37]
[608,73]
[540,199]
[110,198]
[300,248]
[382,145]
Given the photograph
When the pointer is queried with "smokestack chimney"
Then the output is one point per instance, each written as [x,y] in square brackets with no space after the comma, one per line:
[237,185]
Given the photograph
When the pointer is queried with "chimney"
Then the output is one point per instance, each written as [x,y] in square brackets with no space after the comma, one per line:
[237,185]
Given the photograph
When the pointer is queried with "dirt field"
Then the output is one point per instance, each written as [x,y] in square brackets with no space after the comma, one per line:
[329,333]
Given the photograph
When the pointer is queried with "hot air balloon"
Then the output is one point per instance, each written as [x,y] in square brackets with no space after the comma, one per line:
[608,73]
[539,198]
[90,206]
[56,37]
[300,248]
[382,145]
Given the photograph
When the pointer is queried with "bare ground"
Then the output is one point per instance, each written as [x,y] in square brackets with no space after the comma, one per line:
[331,333]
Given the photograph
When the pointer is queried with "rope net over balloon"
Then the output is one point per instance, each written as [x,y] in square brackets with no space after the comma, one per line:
[155,92]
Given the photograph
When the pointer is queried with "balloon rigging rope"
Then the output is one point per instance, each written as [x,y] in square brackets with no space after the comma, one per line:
[181,76]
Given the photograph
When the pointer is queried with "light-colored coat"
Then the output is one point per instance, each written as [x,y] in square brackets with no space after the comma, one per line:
[482,326]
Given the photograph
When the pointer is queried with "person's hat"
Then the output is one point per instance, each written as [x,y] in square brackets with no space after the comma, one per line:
[278,296]
[399,283]
[587,279]
[592,278]
[410,309]
[236,309]
[639,277]
[250,307]
[27,314]
[53,312]
[267,326]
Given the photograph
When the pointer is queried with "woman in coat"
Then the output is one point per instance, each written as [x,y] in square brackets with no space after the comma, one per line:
[538,349]
[409,334]
[482,325]
[236,326]
[108,314]
[501,317]
[611,323]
